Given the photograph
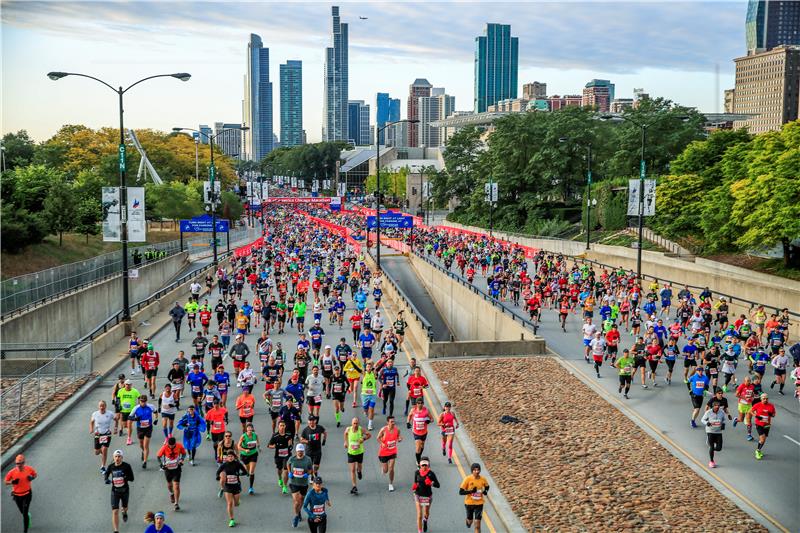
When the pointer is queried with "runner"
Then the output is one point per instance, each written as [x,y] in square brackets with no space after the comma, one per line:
[698,384]
[424,483]
[625,364]
[228,476]
[369,396]
[763,412]
[121,476]
[249,446]
[598,347]
[314,437]
[314,505]
[300,468]
[354,437]
[745,393]
[389,377]
[156,523]
[353,372]
[172,454]
[216,418]
[20,478]
[339,388]
[134,344]
[193,427]
[314,389]
[282,443]
[416,385]
[176,313]
[449,423]
[714,421]
[417,421]
[246,403]
[779,363]
[100,428]
[388,438]
[118,385]
[474,489]
[128,399]
[146,416]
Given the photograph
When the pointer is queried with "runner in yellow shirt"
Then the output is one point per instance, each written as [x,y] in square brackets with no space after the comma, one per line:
[474,488]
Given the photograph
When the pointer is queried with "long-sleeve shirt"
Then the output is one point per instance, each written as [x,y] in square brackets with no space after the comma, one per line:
[314,503]
[712,421]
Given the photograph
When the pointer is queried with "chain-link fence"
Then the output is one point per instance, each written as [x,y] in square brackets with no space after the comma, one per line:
[38,287]
[24,394]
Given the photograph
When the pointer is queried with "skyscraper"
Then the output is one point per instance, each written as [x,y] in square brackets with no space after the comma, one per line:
[768,87]
[291,80]
[205,133]
[599,94]
[257,101]
[387,110]
[772,23]
[420,88]
[534,90]
[358,123]
[230,141]
[334,120]
[496,66]
[438,106]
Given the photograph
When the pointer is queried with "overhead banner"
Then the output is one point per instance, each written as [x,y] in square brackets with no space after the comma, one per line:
[336,203]
[297,200]
[111,221]
[649,198]
[137,224]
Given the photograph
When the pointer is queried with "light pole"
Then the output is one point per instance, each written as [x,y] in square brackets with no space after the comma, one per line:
[378,184]
[212,191]
[642,173]
[123,189]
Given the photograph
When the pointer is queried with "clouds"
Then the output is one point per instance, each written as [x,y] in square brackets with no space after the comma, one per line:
[612,37]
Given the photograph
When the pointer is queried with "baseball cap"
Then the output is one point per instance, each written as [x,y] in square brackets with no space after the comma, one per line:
[313,417]
[117,452]
[128,382]
[317,480]
[420,401]
[300,448]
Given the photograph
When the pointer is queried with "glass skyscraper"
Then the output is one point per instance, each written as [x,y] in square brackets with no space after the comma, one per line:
[291,80]
[771,23]
[496,66]
[358,123]
[334,120]
[257,101]
[387,110]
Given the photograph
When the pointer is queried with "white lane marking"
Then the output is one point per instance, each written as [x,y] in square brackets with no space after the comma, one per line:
[791,439]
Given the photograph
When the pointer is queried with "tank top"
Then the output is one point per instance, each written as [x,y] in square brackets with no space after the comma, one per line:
[227,449]
[418,422]
[368,385]
[249,445]
[448,423]
[389,445]
[354,447]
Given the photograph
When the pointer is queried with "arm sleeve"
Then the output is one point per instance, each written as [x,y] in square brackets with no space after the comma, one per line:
[128,473]
[435,480]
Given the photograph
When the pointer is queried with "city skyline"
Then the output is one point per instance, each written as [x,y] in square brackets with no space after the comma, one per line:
[676,65]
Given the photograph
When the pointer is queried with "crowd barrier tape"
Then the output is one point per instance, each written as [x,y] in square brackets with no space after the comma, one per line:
[247,249]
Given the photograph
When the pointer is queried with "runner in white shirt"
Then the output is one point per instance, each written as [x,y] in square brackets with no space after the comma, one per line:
[589,330]
[167,406]
[779,364]
[195,289]
[598,348]
[377,326]
[246,377]
[100,425]
[315,386]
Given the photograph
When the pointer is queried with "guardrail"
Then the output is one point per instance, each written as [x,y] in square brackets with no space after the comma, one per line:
[25,395]
[22,293]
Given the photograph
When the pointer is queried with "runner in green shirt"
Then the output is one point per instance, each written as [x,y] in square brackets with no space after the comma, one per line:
[300,314]
[128,398]
[625,365]
[249,446]
[369,394]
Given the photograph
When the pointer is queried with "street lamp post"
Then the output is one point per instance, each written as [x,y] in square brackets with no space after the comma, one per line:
[378,185]
[123,189]
[212,174]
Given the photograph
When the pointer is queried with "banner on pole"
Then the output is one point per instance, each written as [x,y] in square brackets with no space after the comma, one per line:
[111,221]
[649,207]
[137,224]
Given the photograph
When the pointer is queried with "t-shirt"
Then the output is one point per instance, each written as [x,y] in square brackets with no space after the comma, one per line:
[475,487]
[314,438]
[299,469]
[102,422]
[625,365]
[763,413]
[23,484]
[282,444]
[127,399]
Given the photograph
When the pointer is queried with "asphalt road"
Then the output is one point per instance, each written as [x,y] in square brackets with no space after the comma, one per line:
[70,496]
[771,484]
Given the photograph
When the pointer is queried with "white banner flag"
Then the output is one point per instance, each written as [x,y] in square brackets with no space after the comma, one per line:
[649,198]
[111,221]
[137,224]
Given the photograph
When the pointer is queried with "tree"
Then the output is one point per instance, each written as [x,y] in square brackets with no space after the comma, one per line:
[232,207]
[18,150]
[460,156]
[59,208]
[87,218]
[20,227]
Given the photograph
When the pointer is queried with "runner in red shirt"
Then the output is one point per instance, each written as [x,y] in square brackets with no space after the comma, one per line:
[388,439]
[449,423]
[763,412]
[612,343]
[745,393]
[356,320]
[149,362]
[216,418]
[417,421]
[415,384]
[205,318]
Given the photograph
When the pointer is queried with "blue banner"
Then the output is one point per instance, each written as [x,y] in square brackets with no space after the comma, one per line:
[390,219]
[203,224]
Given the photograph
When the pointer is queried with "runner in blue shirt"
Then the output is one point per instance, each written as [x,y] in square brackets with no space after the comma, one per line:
[146,416]
[389,378]
[196,380]
[698,384]
[367,340]
[223,381]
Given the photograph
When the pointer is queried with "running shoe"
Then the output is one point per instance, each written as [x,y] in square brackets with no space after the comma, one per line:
[759,454]
[232,523]
[251,491]
[177,507]
[295,521]
[354,490]
[694,424]
[171,498]
[284,490]
[129,442]
[391,487]
[749,437]
[735,421]
[712,464]
[359,474]
[124,516]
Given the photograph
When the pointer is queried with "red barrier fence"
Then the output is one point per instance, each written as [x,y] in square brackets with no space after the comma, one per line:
[247,249]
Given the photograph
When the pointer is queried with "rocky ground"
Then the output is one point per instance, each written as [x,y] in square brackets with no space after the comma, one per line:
[564,467]
[13,430]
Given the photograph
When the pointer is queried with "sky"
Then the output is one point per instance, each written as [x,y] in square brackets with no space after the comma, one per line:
[670,48]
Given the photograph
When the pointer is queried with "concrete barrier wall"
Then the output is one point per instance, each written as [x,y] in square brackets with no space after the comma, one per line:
[772,291]
[468,315]
[486,348]
[75,315]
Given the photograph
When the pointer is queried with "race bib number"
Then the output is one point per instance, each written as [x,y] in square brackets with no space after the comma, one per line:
[252,444]
[144,423]
[318,398]
[195,388]
[416,391]
[126,404]
[276,402]
[171,464]
[298,472]
[217,425]
[355,446]
[391,444]
[369,392]
[103,439]
[247,412]
[337,387]
[627,369]
[231,479]
[119,481]
[390,382]
[449,431]
[318,509]
[477,496]
[283,452]
[419,424]
[424,500]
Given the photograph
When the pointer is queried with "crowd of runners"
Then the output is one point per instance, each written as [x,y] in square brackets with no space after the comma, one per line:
[642,330]
[236,397]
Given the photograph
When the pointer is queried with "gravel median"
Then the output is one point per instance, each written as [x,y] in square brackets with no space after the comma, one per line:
[573,462]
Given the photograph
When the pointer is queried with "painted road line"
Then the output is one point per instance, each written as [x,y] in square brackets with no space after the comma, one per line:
[791,439]
[632,414]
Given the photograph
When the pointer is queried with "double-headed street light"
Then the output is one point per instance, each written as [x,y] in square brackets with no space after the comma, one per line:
[378,183]
[123,190]
[589,200]
[643,125]
[212,192]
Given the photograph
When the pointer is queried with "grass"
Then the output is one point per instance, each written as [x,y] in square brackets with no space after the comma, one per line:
[48,253]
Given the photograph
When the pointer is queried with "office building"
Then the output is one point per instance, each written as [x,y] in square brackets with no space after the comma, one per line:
[438,106]
[397,135]
[258,101]
[772,23]
[729,96]
[534,90]
[598,94]
[768,85]
[621,104]
[496,66]
[387,109]
[419,89]
[205,133]
[557,102]
[358,123]
[230,141]
[334,120]
[509,105]
[291,80]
